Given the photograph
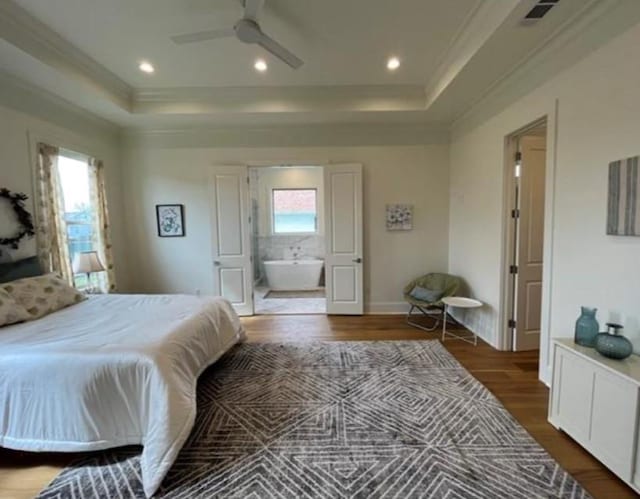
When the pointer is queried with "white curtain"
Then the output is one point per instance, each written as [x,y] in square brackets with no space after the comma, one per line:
[102,226]
[51,233]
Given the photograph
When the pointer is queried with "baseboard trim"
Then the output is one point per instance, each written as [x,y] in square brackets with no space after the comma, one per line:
[386,308]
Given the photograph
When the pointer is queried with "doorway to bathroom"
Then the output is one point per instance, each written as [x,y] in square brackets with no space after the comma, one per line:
[295,241]
[287,239]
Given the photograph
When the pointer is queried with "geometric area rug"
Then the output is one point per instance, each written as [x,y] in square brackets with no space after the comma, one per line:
[394,419]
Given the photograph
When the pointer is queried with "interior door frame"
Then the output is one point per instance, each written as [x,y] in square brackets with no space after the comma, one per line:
[323,163]
[505,340]
[510,234]
[275,164]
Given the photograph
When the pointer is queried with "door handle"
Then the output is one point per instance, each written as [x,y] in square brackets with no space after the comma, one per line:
[217,263]
[357,260]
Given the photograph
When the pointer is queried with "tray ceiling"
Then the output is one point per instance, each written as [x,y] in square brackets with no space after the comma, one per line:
[454,54]
[343,42]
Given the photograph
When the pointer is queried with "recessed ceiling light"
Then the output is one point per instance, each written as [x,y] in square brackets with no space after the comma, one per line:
[260,65]
[146,67]
[393,63]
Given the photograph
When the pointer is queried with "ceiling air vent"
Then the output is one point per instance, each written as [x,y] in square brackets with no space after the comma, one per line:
[540,10]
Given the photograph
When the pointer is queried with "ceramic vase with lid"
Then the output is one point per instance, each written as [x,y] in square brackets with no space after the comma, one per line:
[612,344]
[587,327]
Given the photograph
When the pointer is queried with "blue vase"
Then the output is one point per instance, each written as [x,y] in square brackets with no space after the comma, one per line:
[587,327]
[612,344]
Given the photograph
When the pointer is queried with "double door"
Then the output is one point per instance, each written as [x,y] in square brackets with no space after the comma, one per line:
[231,228]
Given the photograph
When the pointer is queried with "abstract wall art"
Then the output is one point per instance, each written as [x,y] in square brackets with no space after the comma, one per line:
[399,216]
[623,209]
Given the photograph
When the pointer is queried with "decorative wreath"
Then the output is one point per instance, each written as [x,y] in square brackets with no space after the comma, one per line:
[25,222]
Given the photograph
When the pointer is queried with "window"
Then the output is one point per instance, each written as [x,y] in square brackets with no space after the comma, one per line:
[79,214]
[294,211]
[73,215]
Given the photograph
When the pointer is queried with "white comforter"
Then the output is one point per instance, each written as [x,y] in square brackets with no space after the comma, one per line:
[113,370]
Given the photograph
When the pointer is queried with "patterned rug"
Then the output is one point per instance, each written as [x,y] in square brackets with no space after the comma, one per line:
[399,419]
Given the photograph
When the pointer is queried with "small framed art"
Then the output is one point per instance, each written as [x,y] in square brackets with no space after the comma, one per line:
[170,220]
[623,207]
[399,217]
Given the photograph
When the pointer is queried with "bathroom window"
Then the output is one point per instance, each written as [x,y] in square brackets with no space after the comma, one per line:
[294,211]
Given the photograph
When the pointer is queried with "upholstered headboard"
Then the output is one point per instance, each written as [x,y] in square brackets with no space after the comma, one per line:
[28,267]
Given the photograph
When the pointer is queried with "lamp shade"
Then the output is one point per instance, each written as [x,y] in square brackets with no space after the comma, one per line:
[86,262]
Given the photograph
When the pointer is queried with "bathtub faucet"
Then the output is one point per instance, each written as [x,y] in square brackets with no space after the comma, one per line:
[296,250]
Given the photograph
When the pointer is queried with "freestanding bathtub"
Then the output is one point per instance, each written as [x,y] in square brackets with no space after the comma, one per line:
[293,275]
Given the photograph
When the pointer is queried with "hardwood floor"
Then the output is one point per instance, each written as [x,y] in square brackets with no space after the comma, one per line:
[512,377]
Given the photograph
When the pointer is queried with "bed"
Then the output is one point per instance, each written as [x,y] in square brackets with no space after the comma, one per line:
[110,371]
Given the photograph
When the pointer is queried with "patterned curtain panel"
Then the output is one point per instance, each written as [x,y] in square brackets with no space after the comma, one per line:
[102,234]
[53,248]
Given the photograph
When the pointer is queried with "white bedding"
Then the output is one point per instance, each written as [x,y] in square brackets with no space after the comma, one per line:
[113,370]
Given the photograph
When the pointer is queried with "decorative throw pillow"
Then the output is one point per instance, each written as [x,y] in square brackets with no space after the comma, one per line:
[42,295]
[10,311]
[426,294]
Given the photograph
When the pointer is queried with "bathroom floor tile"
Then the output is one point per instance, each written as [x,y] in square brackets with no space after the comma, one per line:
[271,306]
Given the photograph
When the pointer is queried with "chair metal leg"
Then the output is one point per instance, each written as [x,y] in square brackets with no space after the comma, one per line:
[437,320]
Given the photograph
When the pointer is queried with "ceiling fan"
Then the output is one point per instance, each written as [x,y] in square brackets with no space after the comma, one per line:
[246,30]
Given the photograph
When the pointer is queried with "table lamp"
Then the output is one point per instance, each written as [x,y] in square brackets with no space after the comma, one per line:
[87,262]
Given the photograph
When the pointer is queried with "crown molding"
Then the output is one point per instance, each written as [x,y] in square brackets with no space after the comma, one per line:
[24,97]
[569,42]
[27,33]
[476,29]
[597,22]
[340,135]
[204,100]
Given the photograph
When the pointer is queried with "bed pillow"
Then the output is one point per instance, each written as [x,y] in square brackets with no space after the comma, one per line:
[10,311]
[27,267]
[426,294]
[42,295]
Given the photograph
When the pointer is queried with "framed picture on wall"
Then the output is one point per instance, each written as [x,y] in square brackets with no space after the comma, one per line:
[399,217]
[623,213]
[170,220]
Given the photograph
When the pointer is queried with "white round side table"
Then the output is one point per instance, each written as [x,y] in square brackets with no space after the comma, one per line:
[458,302]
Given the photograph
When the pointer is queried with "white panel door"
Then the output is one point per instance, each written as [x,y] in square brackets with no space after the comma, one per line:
[530,244]
[229,201]
[343,228]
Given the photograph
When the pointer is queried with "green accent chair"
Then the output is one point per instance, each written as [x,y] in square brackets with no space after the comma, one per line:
[446,283]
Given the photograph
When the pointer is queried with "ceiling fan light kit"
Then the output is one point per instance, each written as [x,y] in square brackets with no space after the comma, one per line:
[247,30]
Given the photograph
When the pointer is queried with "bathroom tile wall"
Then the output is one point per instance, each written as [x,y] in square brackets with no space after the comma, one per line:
[287,247]
[284,247]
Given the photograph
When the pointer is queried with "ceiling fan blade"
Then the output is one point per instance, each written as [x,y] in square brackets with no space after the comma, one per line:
[201,36]
[279,51]
[252,9]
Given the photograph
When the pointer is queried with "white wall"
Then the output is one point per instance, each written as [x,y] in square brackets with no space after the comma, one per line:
[19,132]
[394,174]
[597,122]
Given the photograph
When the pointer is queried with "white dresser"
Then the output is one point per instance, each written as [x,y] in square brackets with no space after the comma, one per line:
[595,400]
